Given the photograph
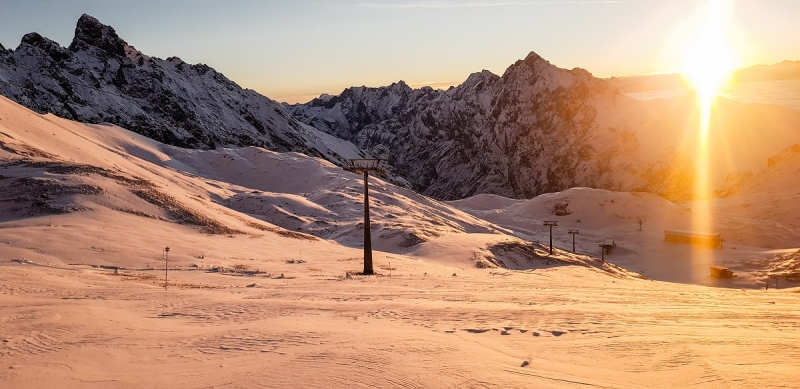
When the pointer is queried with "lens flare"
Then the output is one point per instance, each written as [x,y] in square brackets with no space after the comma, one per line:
[709,63]
[708,66]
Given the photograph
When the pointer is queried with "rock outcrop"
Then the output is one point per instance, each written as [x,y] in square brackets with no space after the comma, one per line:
[539,128]
[101,78]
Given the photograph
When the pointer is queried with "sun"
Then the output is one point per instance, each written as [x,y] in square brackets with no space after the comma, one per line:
[710,59]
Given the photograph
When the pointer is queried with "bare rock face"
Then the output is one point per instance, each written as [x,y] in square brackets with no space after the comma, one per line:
[528,132]
[56,52]
[539,128]
[91,33]
[535,129]
[101,78]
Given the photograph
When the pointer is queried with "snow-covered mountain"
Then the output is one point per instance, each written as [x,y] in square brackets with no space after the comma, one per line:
[540,128]
[536,129]
[101,78]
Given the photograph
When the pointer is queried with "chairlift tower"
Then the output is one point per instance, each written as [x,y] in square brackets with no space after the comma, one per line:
[364,166]
[605,248]
[574,232]
[551,223]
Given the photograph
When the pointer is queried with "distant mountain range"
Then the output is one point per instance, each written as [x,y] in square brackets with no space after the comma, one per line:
[782,71]
[539,128]
[535,129]
[785,70]
[101,78]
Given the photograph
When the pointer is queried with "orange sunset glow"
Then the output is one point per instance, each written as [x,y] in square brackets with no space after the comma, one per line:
[400,194]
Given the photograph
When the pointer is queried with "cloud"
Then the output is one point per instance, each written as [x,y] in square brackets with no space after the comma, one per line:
[434,84]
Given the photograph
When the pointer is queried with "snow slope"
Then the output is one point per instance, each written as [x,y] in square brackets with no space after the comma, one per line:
[75,167]
[753,233]
[86,212]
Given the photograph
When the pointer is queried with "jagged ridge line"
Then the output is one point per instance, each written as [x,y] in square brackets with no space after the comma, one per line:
[446,194]
[74,83]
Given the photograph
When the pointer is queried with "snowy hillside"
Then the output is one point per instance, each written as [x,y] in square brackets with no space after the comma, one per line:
[106,179]
[259,287]
[101,78]
[53,166]
[756,225]
[763,205]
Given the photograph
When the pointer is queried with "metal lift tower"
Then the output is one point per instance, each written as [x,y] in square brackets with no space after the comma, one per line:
[364,166]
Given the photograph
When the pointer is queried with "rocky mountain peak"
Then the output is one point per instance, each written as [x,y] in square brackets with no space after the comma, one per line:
[400,86]
[190,106]
[483,75]
[531,131]
[532,56]
[90,32]
[475,83]
[53,49]
[34,39]
[532,63]
[535,61]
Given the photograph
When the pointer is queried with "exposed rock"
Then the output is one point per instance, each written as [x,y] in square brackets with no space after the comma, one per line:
[531,128]
[536,129]
[90,32]
[101,78]
[56,52]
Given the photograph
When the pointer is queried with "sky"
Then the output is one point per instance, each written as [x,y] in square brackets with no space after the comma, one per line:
[295,50]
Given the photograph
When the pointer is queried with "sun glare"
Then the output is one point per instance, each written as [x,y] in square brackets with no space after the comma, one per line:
[710,61]
[708,66]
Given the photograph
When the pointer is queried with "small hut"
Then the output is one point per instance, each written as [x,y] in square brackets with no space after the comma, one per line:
[697,238]
[721,272]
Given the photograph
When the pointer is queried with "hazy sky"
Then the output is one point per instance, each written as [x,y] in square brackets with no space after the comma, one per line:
[295,49]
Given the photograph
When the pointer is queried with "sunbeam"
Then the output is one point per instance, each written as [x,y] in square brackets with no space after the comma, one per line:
[708,66]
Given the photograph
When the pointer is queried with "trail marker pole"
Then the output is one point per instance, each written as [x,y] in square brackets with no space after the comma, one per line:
[166,259]
[574,232]
[551,223]
[365,166]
